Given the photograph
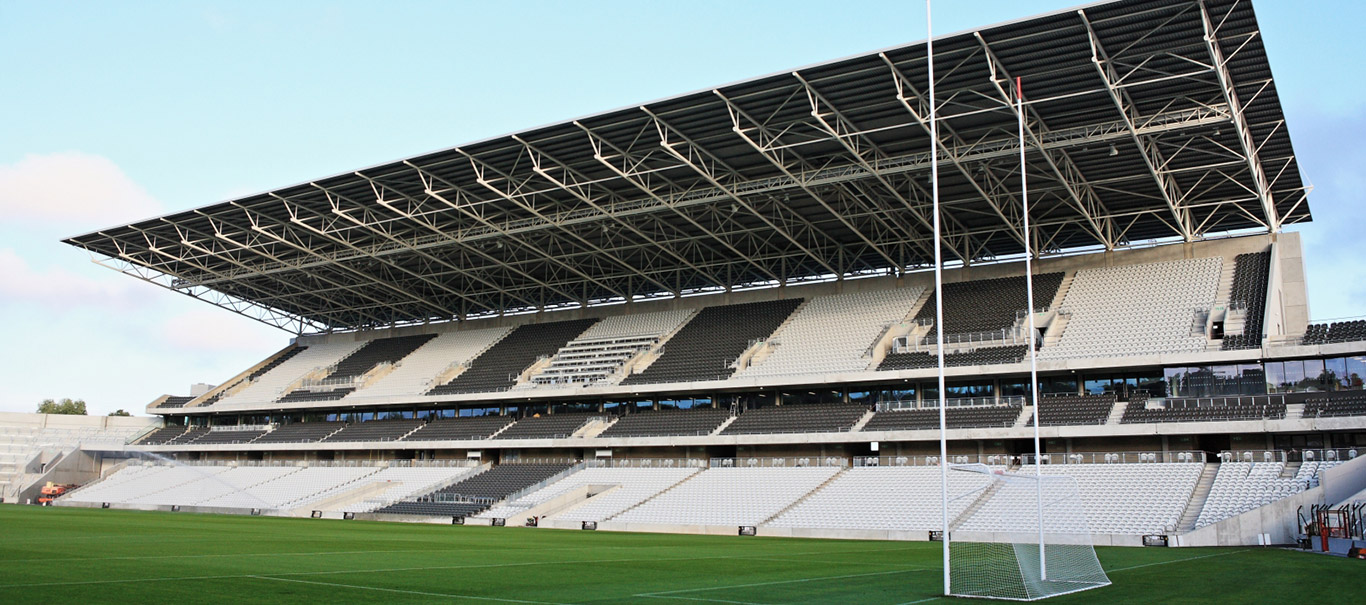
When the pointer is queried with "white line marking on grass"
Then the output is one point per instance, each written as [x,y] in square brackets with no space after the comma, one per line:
[399,569]
[400,591]
[650,596]
[920,601]
[1218,554]
[777,582]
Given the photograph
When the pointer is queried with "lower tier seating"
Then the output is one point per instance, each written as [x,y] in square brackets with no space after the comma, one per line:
[798,418]
[729,496]
[619,489]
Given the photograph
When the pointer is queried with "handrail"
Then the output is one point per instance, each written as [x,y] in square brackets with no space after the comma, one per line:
[781,462]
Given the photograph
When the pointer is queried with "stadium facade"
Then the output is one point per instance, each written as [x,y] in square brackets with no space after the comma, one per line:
[622,318]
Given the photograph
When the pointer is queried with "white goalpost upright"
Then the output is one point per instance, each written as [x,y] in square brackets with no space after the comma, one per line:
[996,545]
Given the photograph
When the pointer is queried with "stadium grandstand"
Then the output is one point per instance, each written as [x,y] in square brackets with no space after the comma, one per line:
[717,310]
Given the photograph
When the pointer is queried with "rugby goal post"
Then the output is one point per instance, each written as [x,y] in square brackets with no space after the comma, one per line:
[995,533]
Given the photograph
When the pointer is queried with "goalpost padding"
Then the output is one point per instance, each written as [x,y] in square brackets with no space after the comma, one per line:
[994,533]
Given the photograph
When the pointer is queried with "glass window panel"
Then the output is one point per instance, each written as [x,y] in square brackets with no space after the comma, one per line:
[1356,372]
[1335,374]
[1294,376]
[1313,375]
[1275,376]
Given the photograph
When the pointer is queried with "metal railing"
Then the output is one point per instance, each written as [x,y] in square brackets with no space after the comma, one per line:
[1115,457]
[954,402]
[646,463]
[764,462]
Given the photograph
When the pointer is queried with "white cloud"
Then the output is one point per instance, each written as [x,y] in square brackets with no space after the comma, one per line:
[58,288]
[215,330]
[71,188]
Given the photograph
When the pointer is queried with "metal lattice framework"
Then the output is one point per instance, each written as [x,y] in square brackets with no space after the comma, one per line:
[1145,120]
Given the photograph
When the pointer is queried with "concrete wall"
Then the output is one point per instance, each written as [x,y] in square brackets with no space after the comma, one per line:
[1288,307]
[71,422]
[1278,521]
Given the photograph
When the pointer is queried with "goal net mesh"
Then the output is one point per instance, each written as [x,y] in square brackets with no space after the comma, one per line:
[994,536]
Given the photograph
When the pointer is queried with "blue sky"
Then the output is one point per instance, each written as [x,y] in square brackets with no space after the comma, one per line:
[112,112]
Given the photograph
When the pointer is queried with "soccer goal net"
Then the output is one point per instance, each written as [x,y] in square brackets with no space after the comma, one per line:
[995,535]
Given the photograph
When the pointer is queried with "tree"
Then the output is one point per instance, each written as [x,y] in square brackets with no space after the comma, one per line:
[119,412]
[65,406]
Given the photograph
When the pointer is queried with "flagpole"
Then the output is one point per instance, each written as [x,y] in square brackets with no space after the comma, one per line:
[1033,332]
[938,302]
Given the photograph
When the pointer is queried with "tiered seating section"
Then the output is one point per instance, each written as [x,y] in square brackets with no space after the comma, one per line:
[1343,331]
[800,418]
[1136,309]
[557,426]
[471,496]
[267,487]
[895,498]
[456,429]
[497,368]
[1250,275]
[342,380]
[1072,410]
[1242,486]
[1337,404]
[375,430]
[699,421]
[271,383]
[984,356]
[988,305]
[994,416]
[1134,498]
[601,351]
[621,488]
[414,375]
[302,432]
[1208,409]
[729,496]
[831,334]
[708,346]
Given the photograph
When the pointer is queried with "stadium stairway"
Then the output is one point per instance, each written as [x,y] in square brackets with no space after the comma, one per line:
[1198,497]
[858,426]
[812,492]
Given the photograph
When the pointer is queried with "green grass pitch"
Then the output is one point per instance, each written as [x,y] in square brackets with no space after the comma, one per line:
[68,555]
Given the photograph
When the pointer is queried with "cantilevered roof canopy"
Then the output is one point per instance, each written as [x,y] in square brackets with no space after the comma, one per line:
[1146,120]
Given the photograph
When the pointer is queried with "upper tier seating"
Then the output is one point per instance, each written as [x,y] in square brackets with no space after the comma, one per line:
[898,498]
[257,373]
[269,385]
[1250,275]
[696,421]
[349,370]
[992,416]
[830,334]
[1072,410]
[414,375]
[301,432]
[705,348]
[1336,404]
[988,305]
[557,426]
[1343,331]
[1137,309]
[498,368]
[222,437]
[601,351]
[175,402]
[620,489]
[798,418]
[729,496]
[459,429]
[375,430]
[1206,409]
[917,360]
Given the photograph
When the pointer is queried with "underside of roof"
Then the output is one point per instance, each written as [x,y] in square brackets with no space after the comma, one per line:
[1144,120]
